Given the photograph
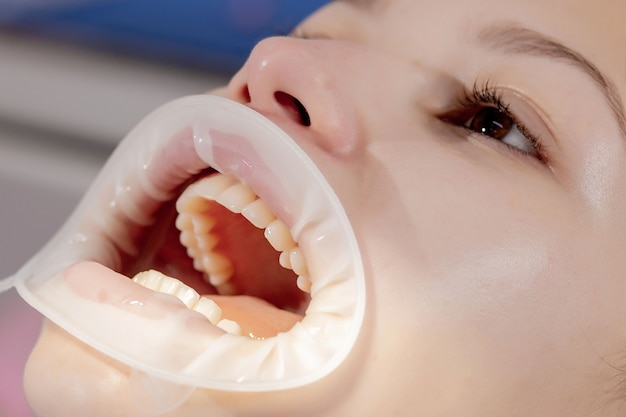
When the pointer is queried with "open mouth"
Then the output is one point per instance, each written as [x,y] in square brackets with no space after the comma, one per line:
[247,275]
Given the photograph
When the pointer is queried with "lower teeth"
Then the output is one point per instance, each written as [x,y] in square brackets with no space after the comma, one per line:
[160,282]
[164,284]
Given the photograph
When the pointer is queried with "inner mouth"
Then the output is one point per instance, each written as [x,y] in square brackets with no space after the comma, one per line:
[229,258]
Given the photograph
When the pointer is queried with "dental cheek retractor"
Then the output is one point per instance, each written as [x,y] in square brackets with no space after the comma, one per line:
[216,160]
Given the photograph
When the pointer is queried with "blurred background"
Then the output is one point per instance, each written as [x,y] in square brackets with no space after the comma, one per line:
[75,76]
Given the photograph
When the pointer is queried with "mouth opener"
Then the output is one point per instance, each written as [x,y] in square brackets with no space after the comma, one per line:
[72,280]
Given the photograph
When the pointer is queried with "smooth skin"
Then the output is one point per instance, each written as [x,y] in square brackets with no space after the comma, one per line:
[496,273]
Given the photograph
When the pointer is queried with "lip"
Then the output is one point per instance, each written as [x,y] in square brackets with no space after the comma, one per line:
[155,333]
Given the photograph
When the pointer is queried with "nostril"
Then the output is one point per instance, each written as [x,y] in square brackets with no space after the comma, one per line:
[245,93]
[294,107]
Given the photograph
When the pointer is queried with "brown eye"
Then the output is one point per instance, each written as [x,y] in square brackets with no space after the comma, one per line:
[492,122]
[500,125]
[483,111]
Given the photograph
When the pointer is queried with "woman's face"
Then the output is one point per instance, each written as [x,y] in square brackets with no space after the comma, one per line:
[478,150]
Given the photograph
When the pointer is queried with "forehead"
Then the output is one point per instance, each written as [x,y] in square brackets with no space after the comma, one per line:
[598,19]
[595,29]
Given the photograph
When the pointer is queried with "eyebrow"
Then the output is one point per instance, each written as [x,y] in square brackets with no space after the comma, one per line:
[364,4]
[519,40]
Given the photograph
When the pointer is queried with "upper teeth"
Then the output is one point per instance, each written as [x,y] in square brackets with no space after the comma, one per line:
[196,229]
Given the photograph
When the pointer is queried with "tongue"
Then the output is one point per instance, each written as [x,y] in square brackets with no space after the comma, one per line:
[258,318]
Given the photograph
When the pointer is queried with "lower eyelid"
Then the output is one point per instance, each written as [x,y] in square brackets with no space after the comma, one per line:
[505,149]
[463,134]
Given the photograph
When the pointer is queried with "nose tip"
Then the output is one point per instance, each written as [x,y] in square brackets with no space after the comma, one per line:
[296,82]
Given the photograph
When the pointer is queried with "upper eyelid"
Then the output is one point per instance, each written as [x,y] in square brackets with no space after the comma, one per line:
[297,32]
[509,98]
[527,108]
[521,40]
[300,33]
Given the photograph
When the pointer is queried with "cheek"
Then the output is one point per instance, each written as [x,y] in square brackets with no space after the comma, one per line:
[66,378]
[476,328]
[475,276]
[63,377]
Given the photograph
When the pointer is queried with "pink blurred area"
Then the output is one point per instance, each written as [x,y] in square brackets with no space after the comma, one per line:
[19,328]
[32,208]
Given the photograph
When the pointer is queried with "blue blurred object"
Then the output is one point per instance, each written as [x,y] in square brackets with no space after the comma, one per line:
[215,34]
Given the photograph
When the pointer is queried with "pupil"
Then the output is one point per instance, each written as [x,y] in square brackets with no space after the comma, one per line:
[491,122]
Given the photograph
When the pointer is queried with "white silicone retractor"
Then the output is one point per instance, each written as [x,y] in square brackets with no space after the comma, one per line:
[158,335]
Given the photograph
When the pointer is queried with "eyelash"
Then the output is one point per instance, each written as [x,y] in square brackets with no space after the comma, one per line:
[487,95]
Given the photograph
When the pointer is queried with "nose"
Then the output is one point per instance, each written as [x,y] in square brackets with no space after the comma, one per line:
[299,84]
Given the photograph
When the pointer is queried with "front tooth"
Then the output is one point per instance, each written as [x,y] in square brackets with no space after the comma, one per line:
[150,279]
[235,198]
[208,189]
[209,309]
[230,326]
[156,281]
[277,233]
[296,260]
[258,213]
[197,244]
[188,239]
[169,285]
[184,221]
[215,263]
[198,263]
[226,288]
[218,268]
[179,290]
[284,260]
[203,224]
[187,295]
[304,284]
[219,278]
[207,242]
